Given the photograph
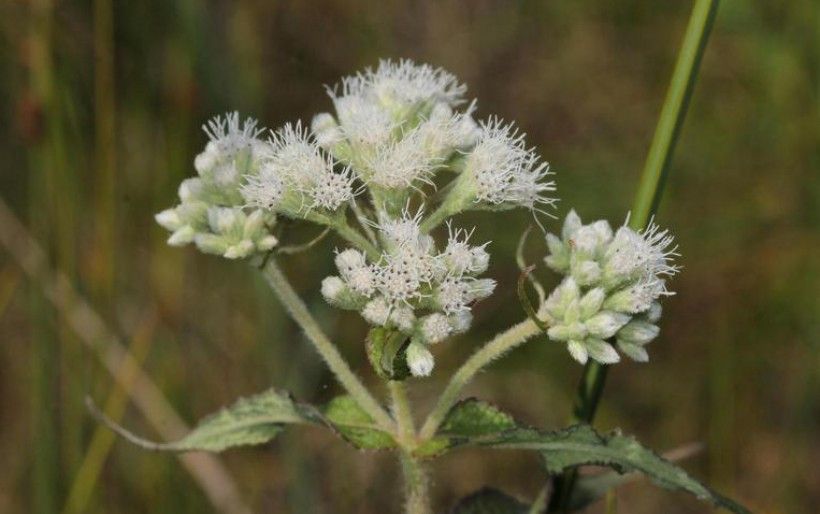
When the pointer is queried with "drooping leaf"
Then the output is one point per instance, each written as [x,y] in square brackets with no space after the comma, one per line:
[582,445]
[387,352]
[355,425]
[489,501]
[591,488]
[467,419]
[253,420]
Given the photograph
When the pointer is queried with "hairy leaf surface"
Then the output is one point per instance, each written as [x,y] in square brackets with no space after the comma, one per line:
[355,425]
[582,445]
[250,421]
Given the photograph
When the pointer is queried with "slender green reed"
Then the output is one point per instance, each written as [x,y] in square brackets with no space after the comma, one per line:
[648,196]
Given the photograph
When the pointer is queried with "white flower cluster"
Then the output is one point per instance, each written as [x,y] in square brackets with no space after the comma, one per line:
[396,127]
[413,287]
[500,172]
[211,211]
[611,290]
[296,179]
[397,132]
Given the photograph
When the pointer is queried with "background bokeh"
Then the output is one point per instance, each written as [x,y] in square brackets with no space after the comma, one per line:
[102,104]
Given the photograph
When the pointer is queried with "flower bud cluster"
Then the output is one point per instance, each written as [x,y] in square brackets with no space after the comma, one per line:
[211,211]
[413,287]
[613,284]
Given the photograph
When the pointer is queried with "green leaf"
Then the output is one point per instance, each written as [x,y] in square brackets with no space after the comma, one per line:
[490,501]
[387,352]
[473,417]
[250,421]
[468,419]
[582,445]
[355,425]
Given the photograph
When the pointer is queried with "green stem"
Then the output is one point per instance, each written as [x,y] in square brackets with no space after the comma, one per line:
[439,215]
[298,311]
[416,485]
[501,344]
[354,236]
[650,190]
[402,412]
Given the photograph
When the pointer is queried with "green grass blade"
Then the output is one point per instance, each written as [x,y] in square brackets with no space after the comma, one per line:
[650,190]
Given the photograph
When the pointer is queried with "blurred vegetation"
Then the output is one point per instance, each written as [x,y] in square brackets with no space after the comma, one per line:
[103,104]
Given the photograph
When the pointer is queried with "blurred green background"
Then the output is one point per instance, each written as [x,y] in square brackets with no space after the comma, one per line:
[102,104]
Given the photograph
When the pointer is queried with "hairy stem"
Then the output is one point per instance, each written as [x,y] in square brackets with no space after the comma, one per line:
[416,486]
[357,239]
[298,311]
[647,198]
[402,412]
[439,215]
[501,344]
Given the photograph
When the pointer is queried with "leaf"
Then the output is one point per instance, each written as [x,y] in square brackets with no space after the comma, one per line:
[386,350]
[250,421]
[473,417]
[468,419]
[591,488]
[489,501]
[582,445]
[355,425]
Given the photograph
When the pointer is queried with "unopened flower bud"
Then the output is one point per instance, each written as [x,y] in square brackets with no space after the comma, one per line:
[419,359]
[605,324]
[638,332]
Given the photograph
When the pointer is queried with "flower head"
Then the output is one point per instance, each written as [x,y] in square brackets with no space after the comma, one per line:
[413,287]
[403,84]
[615,280]
[296,177]
[500,172]
[210,213]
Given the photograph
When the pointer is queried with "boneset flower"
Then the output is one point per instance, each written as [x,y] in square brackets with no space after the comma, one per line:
[296,179]
[395,127]
[413,287]
[613,284]
[210,213]
[398,131]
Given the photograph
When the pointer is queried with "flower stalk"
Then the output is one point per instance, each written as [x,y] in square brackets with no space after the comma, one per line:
[299,312]
[500,345]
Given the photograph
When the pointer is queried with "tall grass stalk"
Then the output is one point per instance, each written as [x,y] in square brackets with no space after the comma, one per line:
[648,196]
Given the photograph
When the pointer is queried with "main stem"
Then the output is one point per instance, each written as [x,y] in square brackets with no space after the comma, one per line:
[416,486]
[298,311]
[416,482]
[500,345]
[402,412]
[648,195]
